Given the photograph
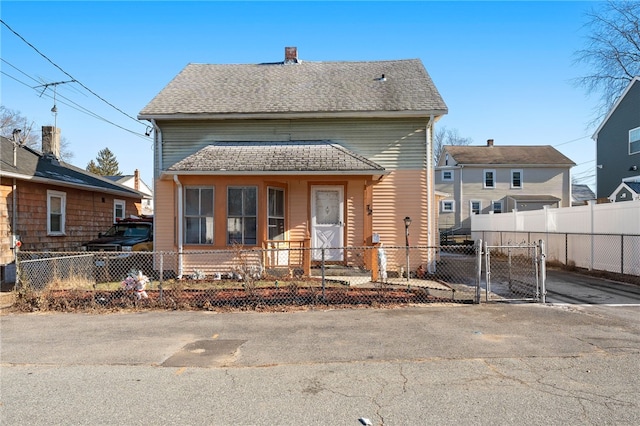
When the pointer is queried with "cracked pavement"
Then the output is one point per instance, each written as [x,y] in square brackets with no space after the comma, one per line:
[483,364]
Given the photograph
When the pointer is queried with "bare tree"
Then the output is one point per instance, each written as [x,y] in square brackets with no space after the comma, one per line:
[15,126]
[444,136]
[612,51]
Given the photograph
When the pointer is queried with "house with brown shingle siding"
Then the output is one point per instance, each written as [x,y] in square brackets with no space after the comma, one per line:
[316,154]
[49,205]
[495,179]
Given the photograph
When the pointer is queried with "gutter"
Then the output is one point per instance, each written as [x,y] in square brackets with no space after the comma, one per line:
[431,264]
[179,185]
[294,115]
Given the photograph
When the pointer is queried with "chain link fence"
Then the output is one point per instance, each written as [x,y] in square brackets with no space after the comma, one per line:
[615,255]
[258,279]
[515,272]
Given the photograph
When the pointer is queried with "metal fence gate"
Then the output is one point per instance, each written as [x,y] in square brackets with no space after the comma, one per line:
[515,272]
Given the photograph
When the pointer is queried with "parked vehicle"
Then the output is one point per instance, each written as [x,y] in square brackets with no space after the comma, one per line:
[125,248]
[129,234]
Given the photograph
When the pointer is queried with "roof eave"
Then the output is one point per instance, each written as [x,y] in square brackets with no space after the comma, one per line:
[37,179]
[168,174]
[295,115]
[511,165]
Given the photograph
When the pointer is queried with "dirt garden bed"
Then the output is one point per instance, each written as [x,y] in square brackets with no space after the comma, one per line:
[224,299]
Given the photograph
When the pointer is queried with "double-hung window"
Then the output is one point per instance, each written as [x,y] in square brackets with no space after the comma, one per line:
[56,212]
[497,206]
[198,215]
[516,179]
[275,212]
[118,209]
[476,207]
[447,175]
[634,141]
[242,215]
[489,177]
[447,206]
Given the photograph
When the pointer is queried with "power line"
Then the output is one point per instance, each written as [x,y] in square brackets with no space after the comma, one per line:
[571,141]
[78,107]
[70,76]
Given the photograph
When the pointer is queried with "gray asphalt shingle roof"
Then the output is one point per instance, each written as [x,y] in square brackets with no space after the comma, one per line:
[508,154]
[31,164]
[303,87]
[302,156]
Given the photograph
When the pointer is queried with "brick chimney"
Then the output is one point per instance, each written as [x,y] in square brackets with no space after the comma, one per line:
[290,55]
[136,180]
[489,142]
[51,141]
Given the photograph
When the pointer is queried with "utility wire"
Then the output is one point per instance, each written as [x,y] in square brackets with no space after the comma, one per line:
[571,141]
[79,108]
[70,76]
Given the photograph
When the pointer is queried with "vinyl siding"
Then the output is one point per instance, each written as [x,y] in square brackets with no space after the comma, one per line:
[393,144]
[469,185]
[297,218]
[612,145]
[401,194]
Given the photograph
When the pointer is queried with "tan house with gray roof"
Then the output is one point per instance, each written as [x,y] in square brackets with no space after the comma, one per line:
[295,153]
[498,179]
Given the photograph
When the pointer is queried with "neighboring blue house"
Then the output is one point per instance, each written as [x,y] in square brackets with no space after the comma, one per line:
[618,143]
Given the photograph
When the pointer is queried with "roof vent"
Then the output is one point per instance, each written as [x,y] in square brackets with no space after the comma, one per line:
[290,55]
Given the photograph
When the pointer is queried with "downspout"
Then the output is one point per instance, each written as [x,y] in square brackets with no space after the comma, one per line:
[14,219]
[157,140]
[431,258]
[179,185]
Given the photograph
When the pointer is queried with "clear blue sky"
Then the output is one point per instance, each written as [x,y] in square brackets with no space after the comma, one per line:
[503,68]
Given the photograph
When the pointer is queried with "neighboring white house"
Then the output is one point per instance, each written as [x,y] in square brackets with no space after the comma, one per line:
[628,190]
[496,179]
[134,181]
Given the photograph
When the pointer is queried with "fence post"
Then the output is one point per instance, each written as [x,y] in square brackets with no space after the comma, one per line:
[487,270]
[322,271]
[543,271]
[622,254]
[478,269]
[161,275]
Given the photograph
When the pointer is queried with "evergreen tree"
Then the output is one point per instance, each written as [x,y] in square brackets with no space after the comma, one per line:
[105,164]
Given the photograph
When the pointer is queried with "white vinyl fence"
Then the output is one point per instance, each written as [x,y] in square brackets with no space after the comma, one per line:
[603,237]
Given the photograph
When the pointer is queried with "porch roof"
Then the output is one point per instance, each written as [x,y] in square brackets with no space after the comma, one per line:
[286,157]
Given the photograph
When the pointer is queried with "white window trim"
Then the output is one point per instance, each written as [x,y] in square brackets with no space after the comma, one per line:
[124,209]
[484,178]
[443,203]
[637,141]
[471,206]
[521,178]
[444,179]
[63,208]
[493,209]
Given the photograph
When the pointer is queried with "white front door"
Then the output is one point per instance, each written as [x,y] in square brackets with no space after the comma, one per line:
[327,222]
